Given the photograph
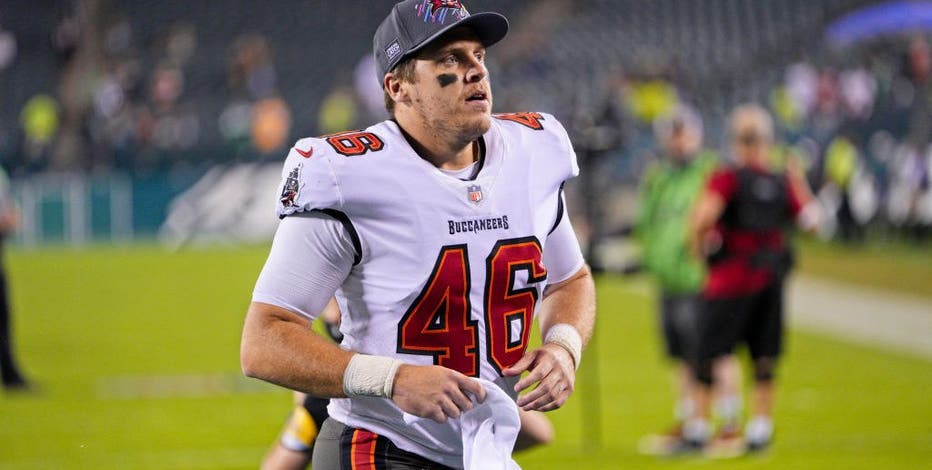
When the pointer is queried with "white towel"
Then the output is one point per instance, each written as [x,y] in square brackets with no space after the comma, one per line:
[489,431]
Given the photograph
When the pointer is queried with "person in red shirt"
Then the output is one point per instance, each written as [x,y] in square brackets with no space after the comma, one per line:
[739,226]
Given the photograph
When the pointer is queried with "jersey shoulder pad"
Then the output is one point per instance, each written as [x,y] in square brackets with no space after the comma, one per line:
[319,171]
[545,137]
[308,179]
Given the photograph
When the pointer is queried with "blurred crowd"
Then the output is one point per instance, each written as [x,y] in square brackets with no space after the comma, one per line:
[111,109]
[859,116]
[864,121]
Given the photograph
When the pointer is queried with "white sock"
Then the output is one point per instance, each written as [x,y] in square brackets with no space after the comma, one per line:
[728,409]
[697,430]
[759,429]
[683,410]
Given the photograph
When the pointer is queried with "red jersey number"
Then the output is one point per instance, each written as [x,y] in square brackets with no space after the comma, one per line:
[509,312]
[531,120]
[439,322]
[355,143]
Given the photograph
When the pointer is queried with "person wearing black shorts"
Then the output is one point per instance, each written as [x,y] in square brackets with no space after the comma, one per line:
[670,188]
[755,320]
[740,226]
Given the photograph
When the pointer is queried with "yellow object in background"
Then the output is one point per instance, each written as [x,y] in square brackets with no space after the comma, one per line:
[337,112]
[40,118]
[840,160]
[301,431]
[652,99]
[785,109]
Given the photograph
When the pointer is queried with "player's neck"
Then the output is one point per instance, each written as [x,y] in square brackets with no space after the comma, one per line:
[443,151]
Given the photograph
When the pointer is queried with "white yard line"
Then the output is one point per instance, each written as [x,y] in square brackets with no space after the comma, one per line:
[176,386]
[168,459]
[891,321]
[888,320]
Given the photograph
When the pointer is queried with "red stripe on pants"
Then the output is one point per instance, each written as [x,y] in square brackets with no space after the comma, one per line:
[362,455]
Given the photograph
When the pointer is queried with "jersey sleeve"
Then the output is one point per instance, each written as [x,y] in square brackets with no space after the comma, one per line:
[562,254]
[310,257]
[544,141]
[309,180]
[566,156]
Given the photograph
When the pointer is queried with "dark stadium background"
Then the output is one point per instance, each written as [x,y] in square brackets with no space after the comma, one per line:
[143,140]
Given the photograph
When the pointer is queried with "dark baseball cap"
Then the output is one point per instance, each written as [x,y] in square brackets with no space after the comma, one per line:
[412,24]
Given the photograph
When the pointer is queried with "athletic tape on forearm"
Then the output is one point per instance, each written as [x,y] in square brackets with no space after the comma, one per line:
[370,376]
[567,337]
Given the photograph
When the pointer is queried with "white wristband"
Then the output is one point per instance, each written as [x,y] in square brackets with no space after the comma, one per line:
[567,337]
[370,376]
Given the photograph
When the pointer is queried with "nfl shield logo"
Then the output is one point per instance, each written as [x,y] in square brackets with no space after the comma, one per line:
[474,193]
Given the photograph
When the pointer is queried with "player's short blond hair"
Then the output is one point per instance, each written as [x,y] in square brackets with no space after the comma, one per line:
[404,71]
[751,120]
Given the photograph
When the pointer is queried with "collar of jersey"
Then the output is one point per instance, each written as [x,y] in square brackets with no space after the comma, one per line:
[491,155]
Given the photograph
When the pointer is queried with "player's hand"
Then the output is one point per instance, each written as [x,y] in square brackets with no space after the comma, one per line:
[435,392]
[552,370]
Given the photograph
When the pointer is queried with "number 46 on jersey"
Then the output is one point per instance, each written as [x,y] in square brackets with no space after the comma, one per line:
[439,322]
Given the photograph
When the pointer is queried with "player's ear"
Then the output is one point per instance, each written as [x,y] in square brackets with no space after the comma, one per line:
[394,89]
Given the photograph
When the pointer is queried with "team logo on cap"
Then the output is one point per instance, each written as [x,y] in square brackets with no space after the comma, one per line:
[393,50]
[291,188]
[474,193]
[437,11]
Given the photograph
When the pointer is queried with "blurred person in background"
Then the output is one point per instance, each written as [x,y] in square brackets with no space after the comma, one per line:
[40,122]
[368,92]
[669,191]
[174,124]
[739,226]
[338,110]
[255,113]
[919,72]
[443,234]
[9,219]
[841,162]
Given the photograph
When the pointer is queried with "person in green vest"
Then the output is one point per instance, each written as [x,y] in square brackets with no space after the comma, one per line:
[669,190]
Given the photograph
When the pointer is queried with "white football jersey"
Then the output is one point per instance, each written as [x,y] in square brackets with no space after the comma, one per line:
[447,272]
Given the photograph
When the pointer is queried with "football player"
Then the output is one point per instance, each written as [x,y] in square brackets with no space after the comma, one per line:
[443,234]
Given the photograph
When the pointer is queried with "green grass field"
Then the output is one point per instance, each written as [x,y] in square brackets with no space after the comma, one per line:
[136,353]
[897,266]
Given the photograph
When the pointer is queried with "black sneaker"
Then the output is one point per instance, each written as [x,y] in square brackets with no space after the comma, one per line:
[669,444]
[757,446]
[17,384]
